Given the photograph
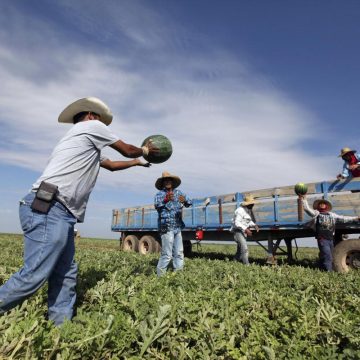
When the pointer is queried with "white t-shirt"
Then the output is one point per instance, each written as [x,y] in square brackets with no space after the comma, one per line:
[75,162]
[242,219]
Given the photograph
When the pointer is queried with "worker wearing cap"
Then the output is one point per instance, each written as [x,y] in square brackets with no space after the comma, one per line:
[351,167]
[324,222]
[57,201]
[243,225]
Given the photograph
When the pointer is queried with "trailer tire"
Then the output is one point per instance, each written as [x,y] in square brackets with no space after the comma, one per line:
[157,246]
[187,248]
[147,245]
[346,256]
[130,243]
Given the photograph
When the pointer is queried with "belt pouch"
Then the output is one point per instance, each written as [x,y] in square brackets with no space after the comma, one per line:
[45,194]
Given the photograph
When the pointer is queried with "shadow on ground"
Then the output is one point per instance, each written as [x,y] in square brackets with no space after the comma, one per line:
[281,260]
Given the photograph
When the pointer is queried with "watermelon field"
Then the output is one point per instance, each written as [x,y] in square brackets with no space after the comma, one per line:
[215,309]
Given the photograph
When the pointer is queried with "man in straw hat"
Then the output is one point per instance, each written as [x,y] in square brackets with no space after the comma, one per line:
[58,200]
[351,167]
[324,222]
[242,224]
[168,202]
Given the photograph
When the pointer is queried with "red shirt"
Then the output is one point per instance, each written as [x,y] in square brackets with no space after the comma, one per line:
[353,161]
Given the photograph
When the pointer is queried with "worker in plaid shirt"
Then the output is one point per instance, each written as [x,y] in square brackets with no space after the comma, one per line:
[168,202]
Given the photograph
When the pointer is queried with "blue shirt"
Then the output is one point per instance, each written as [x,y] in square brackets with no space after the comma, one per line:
[170,212]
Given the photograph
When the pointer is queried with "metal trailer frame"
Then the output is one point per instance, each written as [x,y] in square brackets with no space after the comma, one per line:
[278,213]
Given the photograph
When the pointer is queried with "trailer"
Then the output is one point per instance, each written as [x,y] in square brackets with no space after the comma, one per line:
[278,213]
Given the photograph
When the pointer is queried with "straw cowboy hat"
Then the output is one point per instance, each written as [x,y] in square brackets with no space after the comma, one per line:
[91,104]
[248,200]
[165,175]
[319,201]
[346,150]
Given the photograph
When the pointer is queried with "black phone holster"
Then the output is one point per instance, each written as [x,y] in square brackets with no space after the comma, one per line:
[45,194]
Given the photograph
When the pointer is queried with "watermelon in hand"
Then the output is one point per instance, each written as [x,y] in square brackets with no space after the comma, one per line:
[300,189]
[164,146]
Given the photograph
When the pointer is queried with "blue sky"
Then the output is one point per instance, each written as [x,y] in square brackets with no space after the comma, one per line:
[252,94]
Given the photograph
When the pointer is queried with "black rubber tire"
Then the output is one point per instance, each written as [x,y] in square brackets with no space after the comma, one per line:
[130,243]
[147,245]
[346,256]
[76,234]
[187,248]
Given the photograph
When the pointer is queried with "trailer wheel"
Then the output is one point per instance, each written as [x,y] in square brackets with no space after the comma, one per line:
[187,248]
[147,245]
[157,246]
[347,256]
[130,243]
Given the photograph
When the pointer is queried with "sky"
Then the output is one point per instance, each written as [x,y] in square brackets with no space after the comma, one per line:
[252,94]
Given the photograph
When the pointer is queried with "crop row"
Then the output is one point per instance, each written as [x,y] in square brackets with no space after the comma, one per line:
[214,309]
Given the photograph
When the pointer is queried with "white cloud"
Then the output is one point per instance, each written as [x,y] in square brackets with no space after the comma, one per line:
[231,129]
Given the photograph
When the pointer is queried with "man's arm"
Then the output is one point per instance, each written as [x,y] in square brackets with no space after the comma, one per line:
[127,150]
[307,209]
[354,167]
[122,165]
[184,199]
[345,219]
[132,151]
[160,200]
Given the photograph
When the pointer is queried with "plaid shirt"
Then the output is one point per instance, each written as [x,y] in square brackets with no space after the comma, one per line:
[170,212]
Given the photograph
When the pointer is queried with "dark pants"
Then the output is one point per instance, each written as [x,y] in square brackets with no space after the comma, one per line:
[326,248]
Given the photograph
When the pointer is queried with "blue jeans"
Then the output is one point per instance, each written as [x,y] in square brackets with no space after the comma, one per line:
[171,248]
[48,256]
[326,248]
[242,252]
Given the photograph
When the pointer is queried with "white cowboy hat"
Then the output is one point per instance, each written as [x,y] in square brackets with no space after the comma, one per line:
[165,175]
[248,200]
[91,104]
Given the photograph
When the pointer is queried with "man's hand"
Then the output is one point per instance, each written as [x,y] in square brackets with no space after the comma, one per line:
[248,232]
[339,177]
[182,198]
[257,228]
[354,167]
[139,162]
[150,148]
[169,196]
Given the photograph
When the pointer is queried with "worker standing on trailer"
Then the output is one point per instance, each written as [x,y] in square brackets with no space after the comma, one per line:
[324,223]
[243,225]
[351,167]
[57,201]
[168,202]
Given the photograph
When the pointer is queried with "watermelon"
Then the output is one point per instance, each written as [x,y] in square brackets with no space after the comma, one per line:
[300,189]
[164,145]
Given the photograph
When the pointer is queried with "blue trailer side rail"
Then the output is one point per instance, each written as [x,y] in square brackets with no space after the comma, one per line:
[276,212]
